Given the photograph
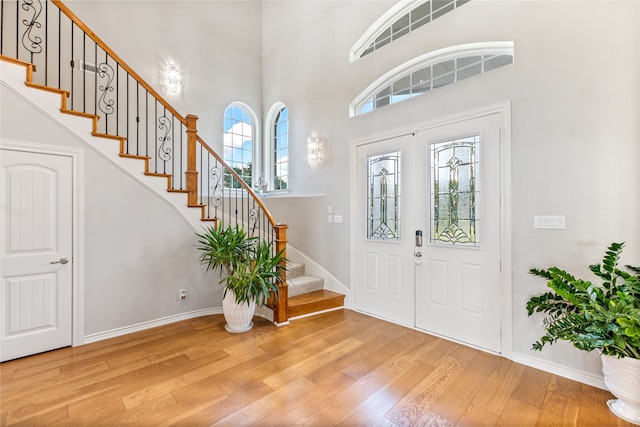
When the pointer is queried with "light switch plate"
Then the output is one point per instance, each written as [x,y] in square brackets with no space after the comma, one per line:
[552,222]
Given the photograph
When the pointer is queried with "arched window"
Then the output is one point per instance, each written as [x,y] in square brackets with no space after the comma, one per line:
[404,17]
[277,148]
[431,71]
[239,137]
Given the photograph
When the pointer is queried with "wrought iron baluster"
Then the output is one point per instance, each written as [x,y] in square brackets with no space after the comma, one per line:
[30,41]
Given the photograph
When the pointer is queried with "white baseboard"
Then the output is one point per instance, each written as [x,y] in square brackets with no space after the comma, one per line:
[150,324]
[560,370]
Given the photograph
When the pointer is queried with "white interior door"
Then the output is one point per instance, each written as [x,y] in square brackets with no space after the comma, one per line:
[458,208]
[36,248]
[383,231]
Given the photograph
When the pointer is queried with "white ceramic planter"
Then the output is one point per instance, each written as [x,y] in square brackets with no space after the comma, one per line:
[238,316]
[622,378]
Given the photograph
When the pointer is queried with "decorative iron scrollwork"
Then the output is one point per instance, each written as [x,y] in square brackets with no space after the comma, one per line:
[30,41]
[253,221]
[164,152]
[215,196]
[106,71]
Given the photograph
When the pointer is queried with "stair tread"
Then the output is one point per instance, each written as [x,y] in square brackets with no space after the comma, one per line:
[313,297]
[314,302]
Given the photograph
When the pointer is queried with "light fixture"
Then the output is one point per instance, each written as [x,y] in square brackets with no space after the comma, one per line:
[315,151]
[173,79]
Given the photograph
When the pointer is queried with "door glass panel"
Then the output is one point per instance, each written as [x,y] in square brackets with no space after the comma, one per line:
[383,196]
[454,196]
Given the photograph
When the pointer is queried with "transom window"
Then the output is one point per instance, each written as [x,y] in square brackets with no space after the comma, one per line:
[454,192]
[404,17]
[383,198]
[432,71]
[238,139]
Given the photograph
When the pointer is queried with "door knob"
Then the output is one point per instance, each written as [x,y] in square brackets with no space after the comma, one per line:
[60,261]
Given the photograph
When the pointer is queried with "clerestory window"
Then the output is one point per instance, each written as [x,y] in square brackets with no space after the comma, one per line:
[431,71]
[401,19]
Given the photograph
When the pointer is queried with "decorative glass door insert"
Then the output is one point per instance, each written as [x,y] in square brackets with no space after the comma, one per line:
[454,193]
[383,196]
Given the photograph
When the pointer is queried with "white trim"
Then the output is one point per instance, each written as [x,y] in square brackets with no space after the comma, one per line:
[256,155]
[560,370]
[430,58]
[396,12]
[504,111]
[77,239]
[268,146]
[91,338]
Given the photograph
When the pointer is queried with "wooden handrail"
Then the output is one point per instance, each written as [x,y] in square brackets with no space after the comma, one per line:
[119,60]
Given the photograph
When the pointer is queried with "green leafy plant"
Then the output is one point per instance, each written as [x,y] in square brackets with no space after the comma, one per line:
[591,316]
[252,270]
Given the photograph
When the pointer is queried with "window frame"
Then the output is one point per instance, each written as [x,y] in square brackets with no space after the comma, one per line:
[269,146]
[387,21]
[255,151]
[422,61]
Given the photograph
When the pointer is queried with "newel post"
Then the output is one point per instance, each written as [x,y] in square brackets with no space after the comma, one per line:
[191,175]
[280,314]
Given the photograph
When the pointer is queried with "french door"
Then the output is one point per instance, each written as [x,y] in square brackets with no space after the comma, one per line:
[441,271]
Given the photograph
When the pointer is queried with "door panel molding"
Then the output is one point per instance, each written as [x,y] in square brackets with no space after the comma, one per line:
[77,268]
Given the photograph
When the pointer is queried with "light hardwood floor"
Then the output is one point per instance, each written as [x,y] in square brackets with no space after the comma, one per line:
[337,368]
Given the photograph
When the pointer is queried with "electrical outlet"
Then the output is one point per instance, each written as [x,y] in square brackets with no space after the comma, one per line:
[182,294]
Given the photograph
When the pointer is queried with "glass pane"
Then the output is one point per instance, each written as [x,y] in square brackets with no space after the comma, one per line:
[497,61]
[443,81]
[440,12]
[383,196]
[420,12]
[466,61]
[469,72]
[443,68]
[402,85]
[454,199]
[400,24]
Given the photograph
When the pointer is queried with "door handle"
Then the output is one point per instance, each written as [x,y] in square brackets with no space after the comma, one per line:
[60,261]
[417,257]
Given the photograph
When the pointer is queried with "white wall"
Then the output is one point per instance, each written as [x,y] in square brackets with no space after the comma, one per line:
[573,90]
[138,251]
[216,44]
[575,105]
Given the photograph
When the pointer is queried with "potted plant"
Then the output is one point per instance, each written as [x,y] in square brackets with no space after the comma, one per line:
[603,317]
[250,271]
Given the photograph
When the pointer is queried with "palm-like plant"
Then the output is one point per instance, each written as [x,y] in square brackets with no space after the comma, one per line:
[591,316]
[252,270]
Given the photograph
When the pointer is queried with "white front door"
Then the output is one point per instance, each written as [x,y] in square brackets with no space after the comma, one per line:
[448,191]
[458,195]
[35,248]
[383,231]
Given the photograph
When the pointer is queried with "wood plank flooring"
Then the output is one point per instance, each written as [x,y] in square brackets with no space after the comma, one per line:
[337,368]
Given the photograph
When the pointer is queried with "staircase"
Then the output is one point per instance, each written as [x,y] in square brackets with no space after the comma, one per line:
[153,140]
[307,294]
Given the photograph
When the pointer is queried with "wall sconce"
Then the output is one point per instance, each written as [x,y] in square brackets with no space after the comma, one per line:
[315,151]
[173,79]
